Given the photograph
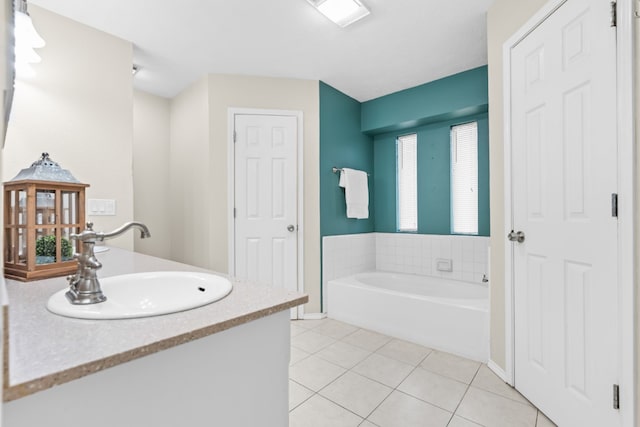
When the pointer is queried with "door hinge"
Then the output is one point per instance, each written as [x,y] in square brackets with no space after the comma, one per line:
[614,14]
[234,212]
[616,396]
[614,205]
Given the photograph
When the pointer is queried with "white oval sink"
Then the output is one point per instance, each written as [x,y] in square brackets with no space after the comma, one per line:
[146,294]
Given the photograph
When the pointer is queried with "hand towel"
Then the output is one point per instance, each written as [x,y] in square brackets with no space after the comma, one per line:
[356,192]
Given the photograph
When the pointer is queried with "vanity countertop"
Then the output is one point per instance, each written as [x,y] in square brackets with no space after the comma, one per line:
[43,350]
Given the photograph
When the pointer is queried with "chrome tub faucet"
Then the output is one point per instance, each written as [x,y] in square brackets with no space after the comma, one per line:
[84,287]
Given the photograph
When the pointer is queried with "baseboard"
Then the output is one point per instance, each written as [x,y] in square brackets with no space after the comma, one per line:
[314,316]
[499,372]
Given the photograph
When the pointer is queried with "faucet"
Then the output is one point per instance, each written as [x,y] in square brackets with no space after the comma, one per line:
[84,287]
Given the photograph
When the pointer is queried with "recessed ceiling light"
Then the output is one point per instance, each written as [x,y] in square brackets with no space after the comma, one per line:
[342,12]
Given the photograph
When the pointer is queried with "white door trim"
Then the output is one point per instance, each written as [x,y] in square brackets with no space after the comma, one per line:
[626,192]
[231,113]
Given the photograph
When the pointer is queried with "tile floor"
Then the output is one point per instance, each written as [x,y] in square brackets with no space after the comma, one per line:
[344,376]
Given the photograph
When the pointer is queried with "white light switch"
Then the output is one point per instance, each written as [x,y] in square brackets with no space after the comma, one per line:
[101,207]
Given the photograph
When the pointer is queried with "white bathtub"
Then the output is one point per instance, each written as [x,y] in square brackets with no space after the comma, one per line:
[442,314]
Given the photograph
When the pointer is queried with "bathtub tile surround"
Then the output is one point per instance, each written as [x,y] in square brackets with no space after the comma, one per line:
[429,390]
[419,254]
[404,253]
[347,254]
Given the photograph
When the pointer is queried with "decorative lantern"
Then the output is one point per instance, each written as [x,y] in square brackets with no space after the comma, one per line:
[43,206]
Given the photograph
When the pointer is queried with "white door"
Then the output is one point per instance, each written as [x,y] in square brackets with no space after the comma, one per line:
[563,120]
[265,193]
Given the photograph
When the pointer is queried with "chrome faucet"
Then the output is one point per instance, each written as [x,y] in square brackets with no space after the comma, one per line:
[84,287]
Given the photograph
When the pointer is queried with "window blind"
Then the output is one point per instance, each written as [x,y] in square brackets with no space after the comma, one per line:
[407,171]
[464,178]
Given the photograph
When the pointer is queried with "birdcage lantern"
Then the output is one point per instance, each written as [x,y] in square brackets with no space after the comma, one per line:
[43,206]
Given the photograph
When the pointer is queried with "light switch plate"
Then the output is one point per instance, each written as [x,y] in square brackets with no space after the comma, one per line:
[101,207]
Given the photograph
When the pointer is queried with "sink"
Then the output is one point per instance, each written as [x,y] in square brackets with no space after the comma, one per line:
[146,294]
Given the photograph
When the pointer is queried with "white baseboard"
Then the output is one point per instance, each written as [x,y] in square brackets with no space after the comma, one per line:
[499,372]
[314,316]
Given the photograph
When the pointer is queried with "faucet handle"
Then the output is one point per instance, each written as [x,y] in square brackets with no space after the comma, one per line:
[90,225]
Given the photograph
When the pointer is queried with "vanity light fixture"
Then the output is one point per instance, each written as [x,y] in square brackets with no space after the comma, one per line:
[26,40]
[342,12]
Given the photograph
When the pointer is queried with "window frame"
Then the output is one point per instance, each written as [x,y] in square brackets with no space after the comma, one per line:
[401,202]
[474,210]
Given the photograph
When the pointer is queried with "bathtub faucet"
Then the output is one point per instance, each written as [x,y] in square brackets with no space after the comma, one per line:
[84,287]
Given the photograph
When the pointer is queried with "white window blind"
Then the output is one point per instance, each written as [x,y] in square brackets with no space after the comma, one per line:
[464,178]
[407,157]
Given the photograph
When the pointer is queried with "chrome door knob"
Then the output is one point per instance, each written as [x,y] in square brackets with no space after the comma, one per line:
[516,236]
[291,228]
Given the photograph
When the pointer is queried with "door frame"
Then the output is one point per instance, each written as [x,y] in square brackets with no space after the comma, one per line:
[231,113]
[626,210]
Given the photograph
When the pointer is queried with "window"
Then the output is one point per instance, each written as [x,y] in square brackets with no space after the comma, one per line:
[464,178]
[406,149]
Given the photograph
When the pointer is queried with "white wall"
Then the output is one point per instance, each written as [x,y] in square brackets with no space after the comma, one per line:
[199,175]
[151,203]
[78,108]
[226,91]
[190,173]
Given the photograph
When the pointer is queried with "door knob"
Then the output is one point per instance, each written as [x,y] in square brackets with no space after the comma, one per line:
[516,236]
[291,228]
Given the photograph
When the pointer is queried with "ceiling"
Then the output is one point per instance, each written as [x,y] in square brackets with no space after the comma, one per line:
[401,44]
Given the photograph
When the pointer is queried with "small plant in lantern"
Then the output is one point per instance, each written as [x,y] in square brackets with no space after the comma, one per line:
[46,250]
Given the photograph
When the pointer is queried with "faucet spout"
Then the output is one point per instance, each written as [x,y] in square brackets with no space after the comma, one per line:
[144,231]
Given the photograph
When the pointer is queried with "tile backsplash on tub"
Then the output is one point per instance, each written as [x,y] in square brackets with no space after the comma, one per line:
[421,254]
[405,253]
[347,254]
[467,256]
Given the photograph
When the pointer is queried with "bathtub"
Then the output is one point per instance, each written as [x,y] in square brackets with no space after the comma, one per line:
[442,314]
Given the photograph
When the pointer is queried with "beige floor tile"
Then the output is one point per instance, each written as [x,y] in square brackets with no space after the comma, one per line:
[342,354]
[320,412]
[404,351]
[298,394]
[368,340]
[311,342]
[543,421]
[451,366]
[383,369]
[356,393]
[433,388]
[309,324]
[401,410]
[297,355]
[457,421]
[335,329]
[487,380]
[489,409]
[315,373]
[296,329]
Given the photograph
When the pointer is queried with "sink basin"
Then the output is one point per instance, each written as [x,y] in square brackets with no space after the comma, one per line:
[146,294]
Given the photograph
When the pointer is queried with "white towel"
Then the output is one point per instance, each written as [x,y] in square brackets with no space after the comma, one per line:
[356,192]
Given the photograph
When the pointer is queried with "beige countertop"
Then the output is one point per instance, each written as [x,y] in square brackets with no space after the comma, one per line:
[43,349]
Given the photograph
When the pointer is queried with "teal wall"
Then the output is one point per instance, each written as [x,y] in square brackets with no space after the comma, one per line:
[434,177]
[362,136]
[454,97]
[342,144]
